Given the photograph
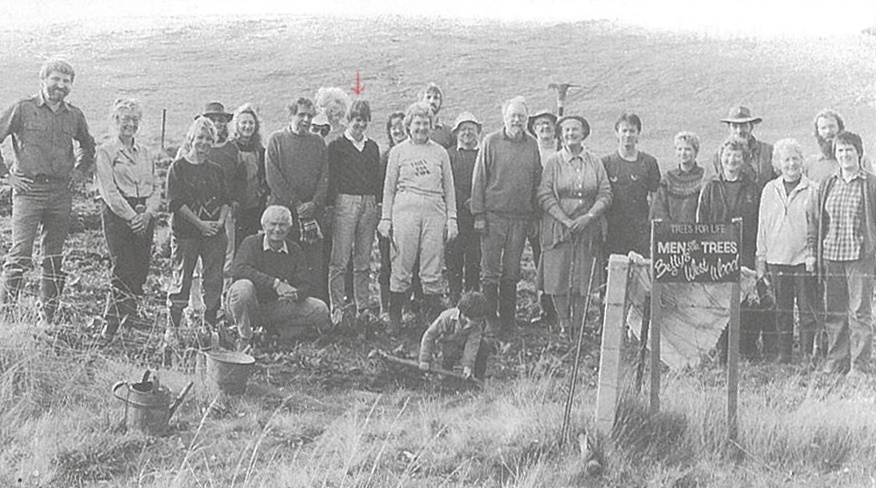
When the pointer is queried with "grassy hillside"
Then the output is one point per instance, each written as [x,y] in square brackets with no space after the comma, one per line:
[674,81]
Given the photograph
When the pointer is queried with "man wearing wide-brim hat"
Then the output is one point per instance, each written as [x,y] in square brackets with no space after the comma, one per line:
[759,168]
[463,254]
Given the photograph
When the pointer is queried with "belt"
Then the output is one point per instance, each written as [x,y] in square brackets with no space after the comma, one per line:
[48,179]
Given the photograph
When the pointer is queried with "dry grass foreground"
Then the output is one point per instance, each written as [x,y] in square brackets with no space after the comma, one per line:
[59,427]
[327,416]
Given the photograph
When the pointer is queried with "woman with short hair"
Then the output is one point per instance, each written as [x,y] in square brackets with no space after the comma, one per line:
[356,188]
[676,197]
[334,103]
[130,196]
[574,193]
[845,239]
[419,212]
[783,250]
[198,203]
[253,192]
[733,194]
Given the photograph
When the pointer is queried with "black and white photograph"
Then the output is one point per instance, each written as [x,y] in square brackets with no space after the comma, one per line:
[346,243]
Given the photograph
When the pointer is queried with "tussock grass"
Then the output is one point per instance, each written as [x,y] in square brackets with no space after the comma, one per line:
[59,427]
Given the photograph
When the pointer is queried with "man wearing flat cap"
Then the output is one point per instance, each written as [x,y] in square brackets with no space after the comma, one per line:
[759,168]
[463,254]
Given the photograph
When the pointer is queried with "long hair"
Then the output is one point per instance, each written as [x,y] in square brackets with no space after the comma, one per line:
[247,108]
[393,116]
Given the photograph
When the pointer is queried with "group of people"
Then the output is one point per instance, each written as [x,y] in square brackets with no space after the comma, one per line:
[279,234]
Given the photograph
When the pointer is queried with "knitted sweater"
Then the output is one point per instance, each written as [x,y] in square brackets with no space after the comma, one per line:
[354,172]
[676,198]
[296,169]
[506,176]
[260,266]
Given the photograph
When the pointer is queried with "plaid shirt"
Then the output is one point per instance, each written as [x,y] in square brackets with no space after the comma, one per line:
[845,232]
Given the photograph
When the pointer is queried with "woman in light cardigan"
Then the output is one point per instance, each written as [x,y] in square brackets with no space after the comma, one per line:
[786,205]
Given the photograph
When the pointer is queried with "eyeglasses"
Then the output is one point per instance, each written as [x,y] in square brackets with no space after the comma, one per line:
[321,130]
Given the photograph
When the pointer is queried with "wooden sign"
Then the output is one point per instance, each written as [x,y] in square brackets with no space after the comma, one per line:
[696,253]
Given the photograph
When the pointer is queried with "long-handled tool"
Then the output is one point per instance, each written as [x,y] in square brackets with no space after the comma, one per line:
[573,380]
[562,90]
[415,365]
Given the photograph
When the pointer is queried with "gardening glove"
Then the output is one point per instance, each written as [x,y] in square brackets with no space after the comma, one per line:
[466,371]
[810,265]
[424,366]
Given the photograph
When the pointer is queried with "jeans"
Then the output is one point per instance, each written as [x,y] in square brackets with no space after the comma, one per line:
[46,208]
[502,249]
[849,315]
[289,318]
[355,221]
[418,223]
[130,255]
[184,255]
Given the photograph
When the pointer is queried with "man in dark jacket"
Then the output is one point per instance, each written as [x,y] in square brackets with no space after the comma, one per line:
[271,283]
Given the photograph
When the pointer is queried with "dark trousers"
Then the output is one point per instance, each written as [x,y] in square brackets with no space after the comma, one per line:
[130,255]
[792,284]
[184,256]
[462,256]
[451,353]
[248,223]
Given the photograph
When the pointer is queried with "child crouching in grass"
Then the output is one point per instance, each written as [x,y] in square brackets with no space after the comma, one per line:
[458,332]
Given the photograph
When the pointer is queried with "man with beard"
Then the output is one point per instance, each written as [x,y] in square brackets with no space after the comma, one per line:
[759,167]
[440,133]
[297,173]
[43,175]
[503,202]
[828,123]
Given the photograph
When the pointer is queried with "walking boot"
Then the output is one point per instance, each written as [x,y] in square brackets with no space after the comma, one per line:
[112,319]
[507,304]
[396,303]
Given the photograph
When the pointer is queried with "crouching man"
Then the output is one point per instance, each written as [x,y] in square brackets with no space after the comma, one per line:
[458,332]
[271,283]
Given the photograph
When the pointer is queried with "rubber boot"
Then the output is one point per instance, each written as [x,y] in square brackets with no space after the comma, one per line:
[491,293]
[548,312]
[396,303]
[507,304]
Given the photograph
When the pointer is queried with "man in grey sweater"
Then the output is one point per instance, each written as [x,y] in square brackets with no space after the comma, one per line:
[506,175]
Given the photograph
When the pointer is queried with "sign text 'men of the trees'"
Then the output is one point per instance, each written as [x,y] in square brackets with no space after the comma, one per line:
[696,253]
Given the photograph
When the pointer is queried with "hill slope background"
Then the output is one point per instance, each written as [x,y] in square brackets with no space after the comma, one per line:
[674,81]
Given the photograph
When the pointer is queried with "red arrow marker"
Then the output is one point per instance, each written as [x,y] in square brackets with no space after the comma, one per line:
[359,88]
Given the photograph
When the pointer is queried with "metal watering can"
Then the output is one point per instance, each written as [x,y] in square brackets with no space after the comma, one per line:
[151,404]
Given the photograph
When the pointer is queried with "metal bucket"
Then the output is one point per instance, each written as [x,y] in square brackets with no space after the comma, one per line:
[229,371]
[150,404]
